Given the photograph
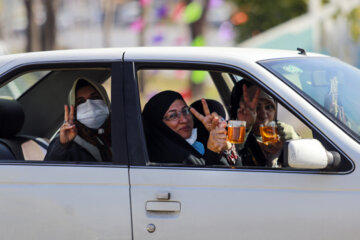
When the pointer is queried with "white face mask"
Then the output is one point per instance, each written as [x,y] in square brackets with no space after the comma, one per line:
[92,113]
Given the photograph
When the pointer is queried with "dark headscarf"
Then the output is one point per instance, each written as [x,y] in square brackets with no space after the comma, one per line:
[214,106]
[165,145]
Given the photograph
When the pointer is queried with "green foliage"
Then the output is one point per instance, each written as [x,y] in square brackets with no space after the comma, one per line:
[354,20]
[265,14]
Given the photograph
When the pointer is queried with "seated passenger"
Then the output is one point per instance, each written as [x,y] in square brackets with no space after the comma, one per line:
[250,104]
[85,137]
[170,137]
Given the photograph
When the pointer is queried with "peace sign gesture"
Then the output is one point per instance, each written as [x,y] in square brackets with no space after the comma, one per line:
[68,129]
[247,108]
[207,118]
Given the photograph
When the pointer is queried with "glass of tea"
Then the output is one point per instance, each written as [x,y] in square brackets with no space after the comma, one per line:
[236,131]
[269,133]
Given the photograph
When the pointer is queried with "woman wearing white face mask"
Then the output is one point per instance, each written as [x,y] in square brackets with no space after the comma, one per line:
[85,135]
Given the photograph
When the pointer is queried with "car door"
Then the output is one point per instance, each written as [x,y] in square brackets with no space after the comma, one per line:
[63,200]
[174,202]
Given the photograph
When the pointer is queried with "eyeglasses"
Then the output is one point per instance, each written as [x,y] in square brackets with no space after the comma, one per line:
[174,116]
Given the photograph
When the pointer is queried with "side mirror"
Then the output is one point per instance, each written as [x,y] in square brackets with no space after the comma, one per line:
[309,154]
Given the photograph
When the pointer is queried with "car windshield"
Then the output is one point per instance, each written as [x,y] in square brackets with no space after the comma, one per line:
[328,82]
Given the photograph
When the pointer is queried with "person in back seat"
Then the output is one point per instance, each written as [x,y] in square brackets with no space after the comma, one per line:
[85,135]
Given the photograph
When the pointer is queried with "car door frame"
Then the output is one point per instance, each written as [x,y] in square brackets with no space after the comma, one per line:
[139,171]
[66,188]
[137,147]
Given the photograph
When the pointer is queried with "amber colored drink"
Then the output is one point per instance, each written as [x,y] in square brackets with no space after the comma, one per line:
[236,135]
[269,134]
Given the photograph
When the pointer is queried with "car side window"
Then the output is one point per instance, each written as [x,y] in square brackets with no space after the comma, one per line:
[36,107]
[258,151]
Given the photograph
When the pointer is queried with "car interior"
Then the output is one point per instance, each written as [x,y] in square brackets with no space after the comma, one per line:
[31,120]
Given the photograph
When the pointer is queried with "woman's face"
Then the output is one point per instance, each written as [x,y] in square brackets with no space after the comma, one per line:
[178,118]
[85,93]
[265,112]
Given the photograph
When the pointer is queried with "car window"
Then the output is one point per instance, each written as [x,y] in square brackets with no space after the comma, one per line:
[18,86]
[329,83]
[192,85]
[257,151]
[32,114]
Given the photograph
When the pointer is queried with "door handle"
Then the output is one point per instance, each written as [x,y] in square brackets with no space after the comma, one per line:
[163,206]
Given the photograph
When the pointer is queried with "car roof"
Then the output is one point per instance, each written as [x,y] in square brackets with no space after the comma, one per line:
[73,55]
[199,54]
[212,54]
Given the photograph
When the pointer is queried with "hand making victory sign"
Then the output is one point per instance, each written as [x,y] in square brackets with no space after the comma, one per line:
[68,130]
[207,118]
[247,108]
[216,127]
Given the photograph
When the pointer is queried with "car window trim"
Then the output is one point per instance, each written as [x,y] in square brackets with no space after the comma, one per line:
[120,158]
[232,69]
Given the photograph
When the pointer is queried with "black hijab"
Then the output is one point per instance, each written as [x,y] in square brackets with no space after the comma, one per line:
[165,145]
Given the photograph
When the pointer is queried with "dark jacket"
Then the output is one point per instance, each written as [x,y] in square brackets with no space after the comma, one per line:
[71,152]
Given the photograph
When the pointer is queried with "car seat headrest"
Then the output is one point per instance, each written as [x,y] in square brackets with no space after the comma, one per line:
[11,118]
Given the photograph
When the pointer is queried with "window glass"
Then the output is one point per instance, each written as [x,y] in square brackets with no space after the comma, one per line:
[333,85]
[18,86]
[192,85]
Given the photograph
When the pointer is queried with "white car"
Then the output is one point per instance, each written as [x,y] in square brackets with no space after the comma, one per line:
[316,196]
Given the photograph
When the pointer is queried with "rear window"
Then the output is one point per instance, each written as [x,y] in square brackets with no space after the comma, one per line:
[15,88]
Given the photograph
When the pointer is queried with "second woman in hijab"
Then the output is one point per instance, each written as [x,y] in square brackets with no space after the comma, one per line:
[170,135]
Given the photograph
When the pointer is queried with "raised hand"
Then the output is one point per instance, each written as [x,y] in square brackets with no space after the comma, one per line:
[207,118]
[217,141]
[247,108]
[68,129]
[274,148]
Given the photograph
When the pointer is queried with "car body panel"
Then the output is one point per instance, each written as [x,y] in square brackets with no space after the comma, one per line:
[64,202]
[241,204]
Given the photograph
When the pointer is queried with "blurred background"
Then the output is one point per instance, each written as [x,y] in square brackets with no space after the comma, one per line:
[326,26]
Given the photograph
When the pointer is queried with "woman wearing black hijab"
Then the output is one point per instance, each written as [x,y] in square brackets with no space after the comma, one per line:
[168,127]
[250,104]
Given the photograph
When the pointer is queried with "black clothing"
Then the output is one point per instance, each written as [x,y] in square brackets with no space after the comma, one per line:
[71,152]
[101,141]
[163,144]
[251,154]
